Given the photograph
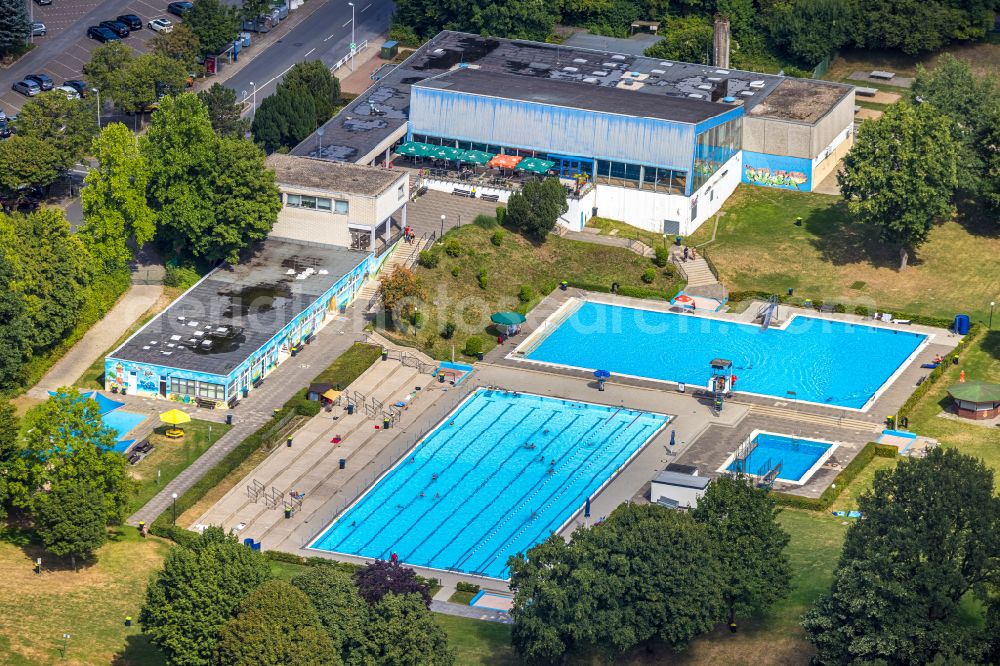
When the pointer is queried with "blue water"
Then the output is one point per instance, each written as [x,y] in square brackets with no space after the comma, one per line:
[122,422]
[493,497]
[816,360]
[797,456]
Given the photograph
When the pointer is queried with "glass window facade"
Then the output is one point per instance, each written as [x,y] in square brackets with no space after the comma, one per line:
[199,389]
[714,148]
[304,201]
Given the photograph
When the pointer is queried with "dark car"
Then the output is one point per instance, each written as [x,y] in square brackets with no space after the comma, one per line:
[78,85]
[131,20]
[101,34]
[116,27]
[6,129]
[43,81]
[179,8]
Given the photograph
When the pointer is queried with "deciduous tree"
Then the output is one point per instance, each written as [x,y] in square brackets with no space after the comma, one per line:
[929,537]
[224,112]
[180,44]
[276,625]
[67,125]
[749,545]
[141,83]
[190,601]
[15,327]
[105,62]
[70,520]
[687,38]
[116,215]
[28,161]
[535,210]
[342,611]
[215,24]
[10,448]
[383,577]
[400,631]
[399,291]
[900,175]
[245,199]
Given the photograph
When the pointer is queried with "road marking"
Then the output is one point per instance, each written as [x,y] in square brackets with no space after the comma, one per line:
[310,51]
[366,7]
[347,24]
[329,38]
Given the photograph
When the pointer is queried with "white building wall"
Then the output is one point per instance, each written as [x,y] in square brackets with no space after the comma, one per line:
[685,497]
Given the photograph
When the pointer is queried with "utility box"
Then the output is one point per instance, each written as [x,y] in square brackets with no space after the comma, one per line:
[389,50]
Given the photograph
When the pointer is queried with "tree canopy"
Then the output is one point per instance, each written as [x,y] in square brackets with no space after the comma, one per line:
[313,79]
[400,291]
[66,125]
[215,24]
[687,38]
[400,631]
[383,577]
[15,325]
[275,625]
[930,536]
[15,26]
[105,62]
[284,119]
[116,215]
[536,208]
[70,520]
[900,175]
[28,162]
[223,111]
[190,601]
[342,611]
[180,44]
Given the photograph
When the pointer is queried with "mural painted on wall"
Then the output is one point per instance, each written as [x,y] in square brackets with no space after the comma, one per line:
[789,173]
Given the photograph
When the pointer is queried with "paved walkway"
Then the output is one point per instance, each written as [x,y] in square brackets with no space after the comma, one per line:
[99,339]
[462,610]
[255,410]
[636,246]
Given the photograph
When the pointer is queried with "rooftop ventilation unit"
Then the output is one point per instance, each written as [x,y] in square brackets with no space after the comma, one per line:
[617,57]
[667,64]
[704,86]
[570,69]
[722,71]
[694,95]
[579,61]
[747,93]
[757,84]
[590,79]
[657,71]
[600,72]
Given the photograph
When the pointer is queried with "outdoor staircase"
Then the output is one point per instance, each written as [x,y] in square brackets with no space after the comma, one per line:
[404,255]
[701,281]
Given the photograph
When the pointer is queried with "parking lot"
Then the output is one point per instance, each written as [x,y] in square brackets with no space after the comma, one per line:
[62,52]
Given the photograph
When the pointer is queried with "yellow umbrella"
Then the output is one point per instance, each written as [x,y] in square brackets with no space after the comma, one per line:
[174,417]
[331,394]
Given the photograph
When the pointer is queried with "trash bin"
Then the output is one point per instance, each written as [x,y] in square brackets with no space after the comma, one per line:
[289,442]
[385,423]
[385,354]
[288,513]
[229,419]
[389,50]
[245,37]
[343,463]
[248,542]
[350,409]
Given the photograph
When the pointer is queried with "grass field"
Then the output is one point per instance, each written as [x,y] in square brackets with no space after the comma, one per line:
[453,292]
[171,457]
[758,246]
[983,57]
[478,643]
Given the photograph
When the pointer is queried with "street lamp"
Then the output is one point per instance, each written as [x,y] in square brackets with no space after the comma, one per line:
[98,93]
[253,102]
[319,133]
[993,304]
[66,638]
[174,497]
[354,44]
[442,225]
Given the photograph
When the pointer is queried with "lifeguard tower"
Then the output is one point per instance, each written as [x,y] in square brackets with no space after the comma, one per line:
[721,382]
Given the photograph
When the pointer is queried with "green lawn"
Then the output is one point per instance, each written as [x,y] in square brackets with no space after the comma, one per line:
[758,246]
[453,293]
[171,457]
[461,597]
[350,365]
[478,642]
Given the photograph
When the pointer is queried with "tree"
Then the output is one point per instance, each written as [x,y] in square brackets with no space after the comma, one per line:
[383,577]
[251,9]
[246,202]
[901,174]
[913,26]
[749,545]
[116,215]
[930,536]
[516,19]
[644,573]
[67,125]
[70,520]
[810,31]
[105,63]
[28,161]
[145,80]
[342,611]
[65,444]
[15,328]
[688,39]
[284,119]
[215,24]
[275,625]
[10,448]
[189,601]
[399,291]
[223,111]
[15,27]
[53,273]
[313,79]
[180,44]
[537,207]
[400,631]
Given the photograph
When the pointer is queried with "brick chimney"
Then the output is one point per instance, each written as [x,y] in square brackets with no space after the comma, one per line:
[720,42]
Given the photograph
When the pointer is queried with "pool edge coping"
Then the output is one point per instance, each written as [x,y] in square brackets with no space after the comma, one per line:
[807,475]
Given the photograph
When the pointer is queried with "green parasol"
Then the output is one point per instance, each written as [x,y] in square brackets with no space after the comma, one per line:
[507,318]
[534,165]
[476,157]
[446,153]
[415,149]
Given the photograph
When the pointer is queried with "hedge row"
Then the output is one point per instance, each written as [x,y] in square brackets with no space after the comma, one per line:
[869,452]
[633,292]
[349,567]
[928,384]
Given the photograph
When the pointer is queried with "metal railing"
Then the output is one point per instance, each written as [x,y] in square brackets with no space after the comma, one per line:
[343,61]
[393,239]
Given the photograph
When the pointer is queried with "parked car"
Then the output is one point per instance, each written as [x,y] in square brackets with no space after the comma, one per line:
[43,81]
[27,87]
[179,8]
[38,29]
[77,85]
[6,129]
[69,91]
[102,34]
[116,27]
[161,25]
[131,20]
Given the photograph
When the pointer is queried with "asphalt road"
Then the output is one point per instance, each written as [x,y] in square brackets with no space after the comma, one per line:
[326,36]
[63,51]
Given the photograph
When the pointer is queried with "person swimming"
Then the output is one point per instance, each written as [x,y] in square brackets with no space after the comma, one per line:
[437,495]
[434,477]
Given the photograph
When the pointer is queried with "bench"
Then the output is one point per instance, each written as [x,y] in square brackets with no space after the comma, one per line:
[463,193]
[134,458]
[206,403]
[865,92]
[143,447]
[490,197]
[882,74]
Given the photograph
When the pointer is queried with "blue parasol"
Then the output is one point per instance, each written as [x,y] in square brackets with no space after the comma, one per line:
[602,374]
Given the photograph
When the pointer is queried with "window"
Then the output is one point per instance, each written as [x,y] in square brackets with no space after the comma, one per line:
[399,193]
[211,391]
[340,206]
[182,386]
[306,201]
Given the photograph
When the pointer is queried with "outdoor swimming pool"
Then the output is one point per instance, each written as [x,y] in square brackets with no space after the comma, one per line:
[123,423]
[495,477]
[799,458]
[817,360]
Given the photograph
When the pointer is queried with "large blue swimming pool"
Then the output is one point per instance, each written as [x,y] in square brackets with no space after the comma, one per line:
[817,360]
[122,422]
[797,456]
[497,476]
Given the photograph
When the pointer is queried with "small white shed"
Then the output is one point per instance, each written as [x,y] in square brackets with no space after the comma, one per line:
[684,489]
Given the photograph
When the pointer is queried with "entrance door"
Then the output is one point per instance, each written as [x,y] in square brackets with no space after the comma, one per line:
[163,387]
[568,166]
[133,382]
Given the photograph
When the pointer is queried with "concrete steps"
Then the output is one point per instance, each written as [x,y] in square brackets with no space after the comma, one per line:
[405,255]
[816,419]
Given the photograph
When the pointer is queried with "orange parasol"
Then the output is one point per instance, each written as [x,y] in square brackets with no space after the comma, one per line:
[505,161]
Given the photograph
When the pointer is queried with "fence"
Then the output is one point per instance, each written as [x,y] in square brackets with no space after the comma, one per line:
[343,61]
[823,66]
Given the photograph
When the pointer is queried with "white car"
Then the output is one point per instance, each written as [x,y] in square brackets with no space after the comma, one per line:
[69,91]
[161,25]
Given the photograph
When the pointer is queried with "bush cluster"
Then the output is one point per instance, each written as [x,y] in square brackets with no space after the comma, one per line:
[428,258]
[462,586]
[870,451]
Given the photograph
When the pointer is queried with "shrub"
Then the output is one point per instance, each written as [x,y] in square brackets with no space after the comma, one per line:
[452,248]
[485,221]
[483,278]
[497,237]
[462,586]
[182,277]
[649,276]
[501,215]
[428,259]
[526,293]
[455,271]
[662,258]
[862,311]
[448,330]
[474,345]
[842,480]
[417,319]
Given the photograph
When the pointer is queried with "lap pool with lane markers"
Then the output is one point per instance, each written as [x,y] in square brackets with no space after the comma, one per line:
[497,476]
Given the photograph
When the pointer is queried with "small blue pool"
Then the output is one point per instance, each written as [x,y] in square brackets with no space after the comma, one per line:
[829,362]
[798,457]
[498,475]
[122,423]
